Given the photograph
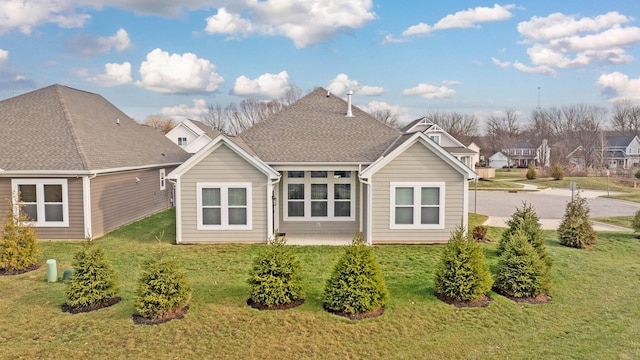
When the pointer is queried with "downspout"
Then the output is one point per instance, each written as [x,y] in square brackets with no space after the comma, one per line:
[86,204]
[176,204]
[271,227]
[368,183]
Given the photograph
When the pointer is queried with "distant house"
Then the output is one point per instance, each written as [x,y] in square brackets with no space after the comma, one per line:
[521,154]
[192,135]
[78,166]
[321,168]
[622,151]
[470,157]
[498,160]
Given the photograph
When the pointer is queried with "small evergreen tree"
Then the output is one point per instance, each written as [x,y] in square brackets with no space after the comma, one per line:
[575,229]
[463,273]
[525,219]
[276,276]
[94,282]
[557,173]
[531,172]
[636,222]
[19,246]
[521,271]
[163,289]
[356,285]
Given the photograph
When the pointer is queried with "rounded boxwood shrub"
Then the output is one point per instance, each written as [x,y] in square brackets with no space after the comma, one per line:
[19,246]
[93,283]
[276,277]
[576,230]
[463,273]
[356,286]
[163,290]
[521,272]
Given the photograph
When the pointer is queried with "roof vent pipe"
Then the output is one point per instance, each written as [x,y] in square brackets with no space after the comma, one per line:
[349,113]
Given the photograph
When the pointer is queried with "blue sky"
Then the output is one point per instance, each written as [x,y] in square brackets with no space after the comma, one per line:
[174,57]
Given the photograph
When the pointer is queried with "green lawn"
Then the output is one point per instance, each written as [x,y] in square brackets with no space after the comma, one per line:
[584,183]
[494,184]
[593,314]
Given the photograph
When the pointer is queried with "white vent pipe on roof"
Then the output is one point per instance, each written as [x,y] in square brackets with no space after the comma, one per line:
[349,113]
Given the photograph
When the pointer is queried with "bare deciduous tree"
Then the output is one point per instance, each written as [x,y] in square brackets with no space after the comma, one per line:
[386,116]
[625,118]
[463,127]
[164,125]
[503,130]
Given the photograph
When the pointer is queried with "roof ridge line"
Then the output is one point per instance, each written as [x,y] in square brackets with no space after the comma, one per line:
[74,136]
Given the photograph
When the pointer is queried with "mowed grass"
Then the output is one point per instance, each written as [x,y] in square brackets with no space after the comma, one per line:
[593,314]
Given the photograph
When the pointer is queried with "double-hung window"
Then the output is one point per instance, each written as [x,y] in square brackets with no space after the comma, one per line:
[224,206]
[43,201]
[417,205]
[319,195]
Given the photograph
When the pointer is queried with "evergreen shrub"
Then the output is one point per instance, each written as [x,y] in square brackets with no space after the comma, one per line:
[19,246]
[93,282]
[576,230]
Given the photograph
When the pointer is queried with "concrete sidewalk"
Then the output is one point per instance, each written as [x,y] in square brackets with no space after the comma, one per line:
[552,224]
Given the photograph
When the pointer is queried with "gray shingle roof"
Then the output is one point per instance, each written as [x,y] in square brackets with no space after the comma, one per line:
[58,128]
[315,129]
[619,141]
[206,128]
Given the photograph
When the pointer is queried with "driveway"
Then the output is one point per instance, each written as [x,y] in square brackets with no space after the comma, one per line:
[549,204]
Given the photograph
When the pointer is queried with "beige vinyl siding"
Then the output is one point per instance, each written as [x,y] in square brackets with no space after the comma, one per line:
[318,226]
[417,164]
[117,199]
[223,165]
[74,231]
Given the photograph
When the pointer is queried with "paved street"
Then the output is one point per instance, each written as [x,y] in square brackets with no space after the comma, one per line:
[550,205]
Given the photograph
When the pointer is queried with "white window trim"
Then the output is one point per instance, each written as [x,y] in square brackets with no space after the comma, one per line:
[416,205]
[224,198]
[39,183]
[163,181]
[331,181]
[435,137]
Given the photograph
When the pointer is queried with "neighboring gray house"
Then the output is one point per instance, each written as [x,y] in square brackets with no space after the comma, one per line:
[622,151]
[192,135]
[468,156]
[321,169]
[78,166]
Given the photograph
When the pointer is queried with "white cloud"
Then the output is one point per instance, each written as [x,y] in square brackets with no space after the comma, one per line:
[558,25]
[618,86]
[429,91]
[563,41]
[114,75]
[94,45]
[25,15]
[451,82]
[502,64]
[341,84]
[158,7]
[178,74]
[401,111]
[464,19]
[390,39]
[184,111]
[269,86]
[4,57]
[541,69]
[305,23]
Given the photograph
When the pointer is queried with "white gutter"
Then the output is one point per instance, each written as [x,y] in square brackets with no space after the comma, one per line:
[86,205]
[271,209]
[177,203]
[368,183]
[69,173]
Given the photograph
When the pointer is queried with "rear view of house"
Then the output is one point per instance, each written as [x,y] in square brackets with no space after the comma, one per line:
[321,168]
[78,166]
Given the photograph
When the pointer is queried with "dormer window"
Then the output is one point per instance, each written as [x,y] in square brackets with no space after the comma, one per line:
[435,138]
[182,141]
